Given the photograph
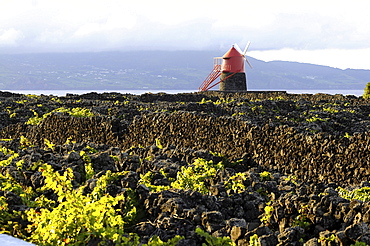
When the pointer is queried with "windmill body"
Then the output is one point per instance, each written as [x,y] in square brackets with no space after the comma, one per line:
[231,69]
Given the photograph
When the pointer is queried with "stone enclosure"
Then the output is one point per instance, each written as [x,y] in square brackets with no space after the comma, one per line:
[310,144]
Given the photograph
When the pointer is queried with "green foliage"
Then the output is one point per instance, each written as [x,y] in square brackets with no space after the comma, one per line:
[75,218]
[5,215]
[19,164]
[6,139]
[236,183]
[84,216]
[75,112]
[258,109]
[278,98]
[197,176]
[214,241]
[8,224]
[156,241]
[292,178]
[223,100]
[115,158]
[217,154]
[253,240]
[265,176]
[22,101]
[142,108]
[346,135]
[24,143]
[315,118]
[218,101]
[89,171]
[205,101]
[32,96]
[8,161]
[158,143]
[146,179]
[57,100]
[331,110]
[238,114]
[331,238]
[34,121]
[359,244]
[361,194]
[268,213]
[366,94]
[91,149]
[9,184]
[6,151]
[48,144]
[225,161]
[301,219]
[68,141]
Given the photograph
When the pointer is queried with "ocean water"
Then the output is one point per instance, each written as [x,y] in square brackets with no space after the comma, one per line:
[139,92]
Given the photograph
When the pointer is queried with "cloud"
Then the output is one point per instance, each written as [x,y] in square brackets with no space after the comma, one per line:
[10,37]
[93,25]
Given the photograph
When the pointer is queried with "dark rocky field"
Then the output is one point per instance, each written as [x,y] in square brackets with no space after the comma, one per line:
[284,159]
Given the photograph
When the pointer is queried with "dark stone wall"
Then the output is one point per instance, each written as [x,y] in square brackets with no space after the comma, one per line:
[58,129]
[313,158]
[237,82]
[316,158]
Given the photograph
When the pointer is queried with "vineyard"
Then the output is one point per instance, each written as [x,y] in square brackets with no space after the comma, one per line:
[188,169]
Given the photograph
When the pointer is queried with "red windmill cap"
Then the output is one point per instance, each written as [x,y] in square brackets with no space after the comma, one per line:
[232,53]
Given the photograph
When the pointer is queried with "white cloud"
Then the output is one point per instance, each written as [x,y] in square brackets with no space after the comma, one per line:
[10,37]
[83,25]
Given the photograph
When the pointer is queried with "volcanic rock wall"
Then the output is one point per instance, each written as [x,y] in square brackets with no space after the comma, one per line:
[324,156]
[319,157]
[59,128]
[316,158]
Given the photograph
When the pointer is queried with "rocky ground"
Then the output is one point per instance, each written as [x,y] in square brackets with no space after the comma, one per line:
[283,160]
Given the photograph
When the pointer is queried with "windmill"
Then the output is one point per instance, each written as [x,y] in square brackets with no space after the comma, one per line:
[231,69]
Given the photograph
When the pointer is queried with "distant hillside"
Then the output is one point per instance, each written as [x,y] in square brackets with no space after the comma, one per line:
[293,75]
[160,70]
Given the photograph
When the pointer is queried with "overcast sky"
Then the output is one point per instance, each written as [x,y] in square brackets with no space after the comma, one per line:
[326,32]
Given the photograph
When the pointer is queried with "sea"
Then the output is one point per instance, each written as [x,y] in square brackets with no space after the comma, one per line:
[139,92]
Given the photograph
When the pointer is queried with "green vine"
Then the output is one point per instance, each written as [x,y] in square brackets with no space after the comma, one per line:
[214,241]
[197,176]
[85,217]
[361,194]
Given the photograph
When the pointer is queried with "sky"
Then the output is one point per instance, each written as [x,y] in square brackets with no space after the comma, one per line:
[325,32]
